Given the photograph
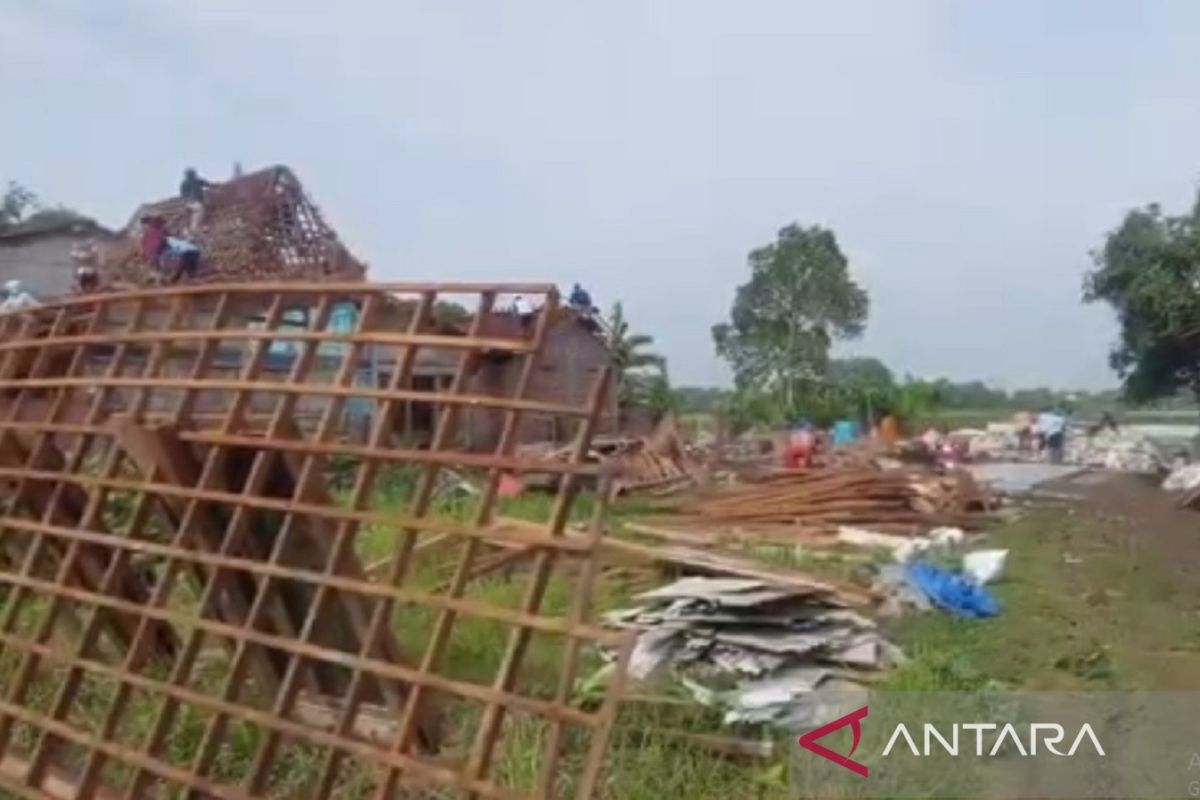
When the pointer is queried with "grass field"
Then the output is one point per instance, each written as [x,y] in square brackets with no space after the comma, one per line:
[1087,605]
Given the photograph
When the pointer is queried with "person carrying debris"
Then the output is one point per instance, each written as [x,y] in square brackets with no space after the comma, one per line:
[185,255]
[192,190]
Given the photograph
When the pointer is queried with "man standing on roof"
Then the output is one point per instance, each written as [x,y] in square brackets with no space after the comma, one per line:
[192,190]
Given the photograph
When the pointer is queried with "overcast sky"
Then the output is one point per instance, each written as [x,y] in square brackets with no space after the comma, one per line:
[967,154]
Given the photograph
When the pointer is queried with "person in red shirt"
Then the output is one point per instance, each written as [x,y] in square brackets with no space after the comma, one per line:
[154,238]
[801,445]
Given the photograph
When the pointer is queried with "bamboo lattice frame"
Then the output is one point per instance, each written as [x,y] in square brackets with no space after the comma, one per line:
[184,608]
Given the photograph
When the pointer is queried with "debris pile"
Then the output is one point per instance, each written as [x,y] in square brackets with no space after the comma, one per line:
[1124,450]
[830,498]
[752,647]
[640,469]
[657,464]
[1185,479]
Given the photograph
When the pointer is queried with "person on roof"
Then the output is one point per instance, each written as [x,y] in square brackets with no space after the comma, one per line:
[86,256]
[87,280]
[523,309]
[185,255]
[154,238]
[192,190]
[580,300]
[192,187]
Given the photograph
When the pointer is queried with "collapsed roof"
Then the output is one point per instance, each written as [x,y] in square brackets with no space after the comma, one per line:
[259,226]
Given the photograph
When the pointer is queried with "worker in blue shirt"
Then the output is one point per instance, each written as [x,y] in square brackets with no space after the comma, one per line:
[185,255]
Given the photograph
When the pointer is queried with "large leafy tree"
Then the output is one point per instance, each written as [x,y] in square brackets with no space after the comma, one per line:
[799,299]
[1148,271]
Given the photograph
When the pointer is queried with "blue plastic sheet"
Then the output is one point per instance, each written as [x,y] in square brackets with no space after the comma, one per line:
[950,591]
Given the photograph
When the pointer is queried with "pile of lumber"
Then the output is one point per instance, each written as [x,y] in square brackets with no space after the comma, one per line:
[828,498]
[641,469]
[657,464]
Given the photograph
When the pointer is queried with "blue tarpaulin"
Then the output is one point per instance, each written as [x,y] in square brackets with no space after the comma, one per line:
[950,591]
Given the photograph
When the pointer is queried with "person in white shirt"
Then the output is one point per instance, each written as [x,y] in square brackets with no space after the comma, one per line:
[524,309]
[1052,427]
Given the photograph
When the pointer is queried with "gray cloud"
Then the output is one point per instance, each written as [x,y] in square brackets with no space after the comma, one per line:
[967,154]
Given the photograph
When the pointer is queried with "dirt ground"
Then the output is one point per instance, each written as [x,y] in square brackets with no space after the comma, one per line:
[1103,591]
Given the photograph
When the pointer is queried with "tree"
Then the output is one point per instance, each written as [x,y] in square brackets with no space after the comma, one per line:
[14,203]
[654,392]
[860,371]
[447,312]
[633,362]
[1149,272]
[799,299]
[701,399]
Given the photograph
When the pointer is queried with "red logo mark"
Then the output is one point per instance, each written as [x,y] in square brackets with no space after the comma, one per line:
[809,741]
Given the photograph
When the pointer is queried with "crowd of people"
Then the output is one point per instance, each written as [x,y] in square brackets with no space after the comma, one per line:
[1044,433]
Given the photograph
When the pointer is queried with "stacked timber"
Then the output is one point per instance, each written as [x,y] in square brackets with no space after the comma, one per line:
[827,498]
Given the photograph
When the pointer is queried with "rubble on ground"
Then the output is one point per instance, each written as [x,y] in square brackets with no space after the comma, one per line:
[751,647]
[1182,479]
[1123,450]
[657,464]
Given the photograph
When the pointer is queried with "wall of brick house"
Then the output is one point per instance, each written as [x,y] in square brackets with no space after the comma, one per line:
[42,263]
[566,370]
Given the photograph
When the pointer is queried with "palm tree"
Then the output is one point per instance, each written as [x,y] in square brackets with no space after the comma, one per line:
[628,349]
[631,358]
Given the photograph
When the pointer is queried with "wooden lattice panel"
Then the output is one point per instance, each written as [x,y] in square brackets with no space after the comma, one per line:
[225,572]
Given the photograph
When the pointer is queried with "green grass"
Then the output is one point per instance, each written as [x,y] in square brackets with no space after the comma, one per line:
[1084,609]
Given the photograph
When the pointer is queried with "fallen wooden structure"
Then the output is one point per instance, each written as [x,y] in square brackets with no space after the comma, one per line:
[142,542]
